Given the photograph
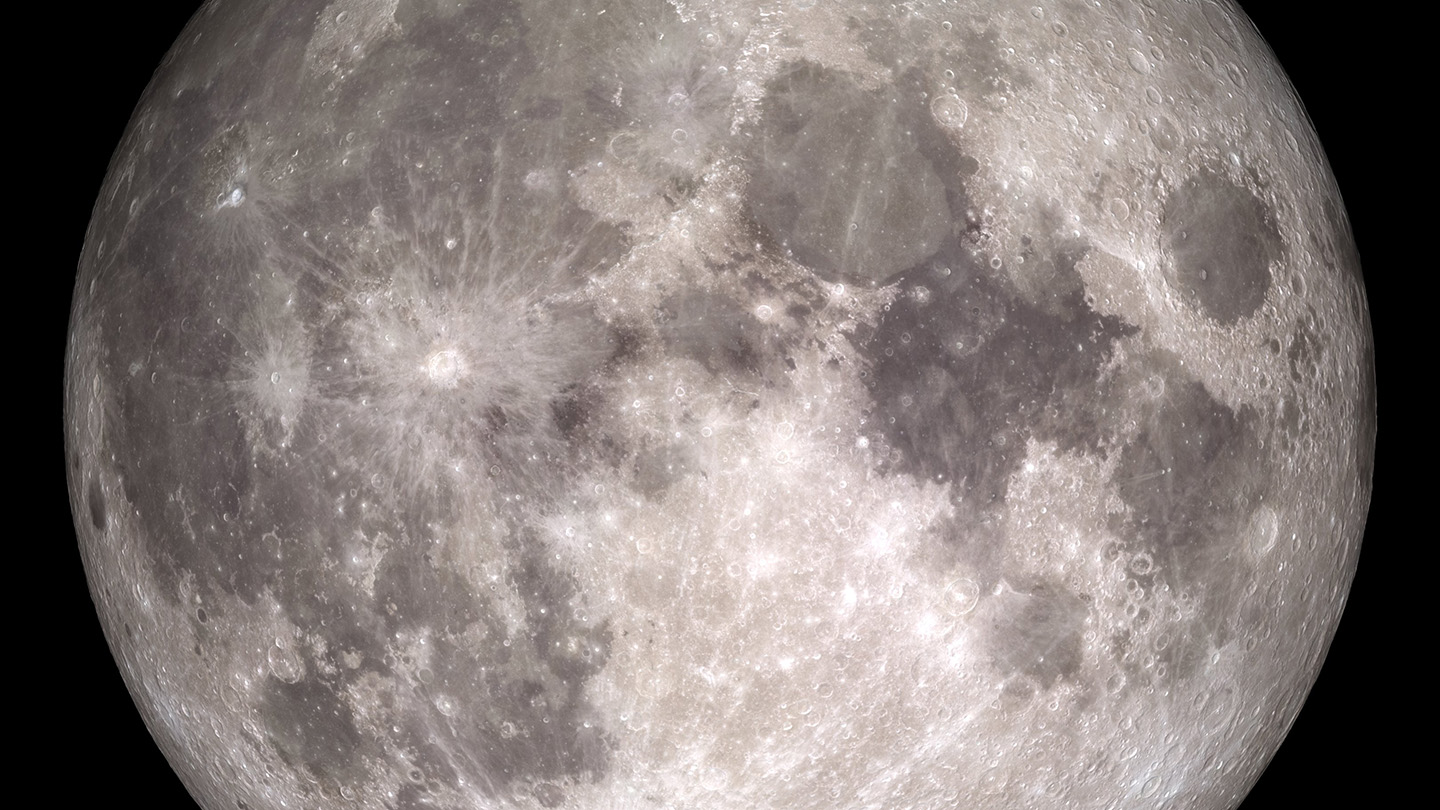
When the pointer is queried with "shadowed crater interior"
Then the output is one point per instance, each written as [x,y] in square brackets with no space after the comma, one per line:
[96,500]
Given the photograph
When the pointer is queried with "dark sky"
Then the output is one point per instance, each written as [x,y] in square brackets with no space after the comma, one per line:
[93,749]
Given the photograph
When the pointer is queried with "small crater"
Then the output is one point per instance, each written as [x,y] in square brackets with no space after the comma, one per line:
[1163,133]
[549,795]
[960,597]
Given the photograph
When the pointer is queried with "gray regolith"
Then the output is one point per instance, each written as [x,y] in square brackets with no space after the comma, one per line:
[499,406]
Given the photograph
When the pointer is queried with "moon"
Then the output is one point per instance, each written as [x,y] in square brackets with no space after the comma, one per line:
[969,569]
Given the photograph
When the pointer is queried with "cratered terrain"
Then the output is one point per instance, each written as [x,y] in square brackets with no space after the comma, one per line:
[944,449]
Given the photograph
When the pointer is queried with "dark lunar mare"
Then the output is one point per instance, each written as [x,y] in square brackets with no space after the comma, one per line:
[1223,239]
[963,368]
[841,182]
[253,515]
[1192,479]
[967,371]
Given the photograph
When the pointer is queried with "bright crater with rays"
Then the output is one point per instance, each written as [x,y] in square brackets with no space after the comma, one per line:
[446,368]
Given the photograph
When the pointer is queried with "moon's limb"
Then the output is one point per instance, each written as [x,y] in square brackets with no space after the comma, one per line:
[488,468]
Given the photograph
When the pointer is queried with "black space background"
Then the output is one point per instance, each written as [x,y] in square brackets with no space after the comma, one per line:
[92,750]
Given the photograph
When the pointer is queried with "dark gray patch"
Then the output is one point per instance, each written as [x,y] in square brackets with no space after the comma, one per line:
[1038,633]
[1193,474]
[840,182]
[1223,239]
[572,649]
[573,409]
[624,343]
[472,55]
[965,371]
[716,332]
[412,590]
[1192,479]
[657,469]
[188,500]
[912,110]
[983,68]
[526,718]
[311,727]
[178,432]
[95,499]
[974,541]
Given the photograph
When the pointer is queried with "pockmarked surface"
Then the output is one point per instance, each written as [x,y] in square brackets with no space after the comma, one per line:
[724,405]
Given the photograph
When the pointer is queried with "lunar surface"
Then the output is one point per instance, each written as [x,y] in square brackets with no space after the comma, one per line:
[719,405]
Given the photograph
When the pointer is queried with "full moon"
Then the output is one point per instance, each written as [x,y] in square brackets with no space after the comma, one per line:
[787,404]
